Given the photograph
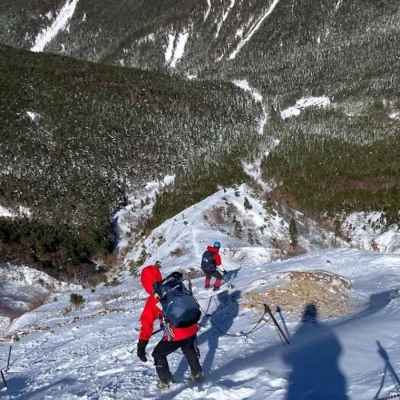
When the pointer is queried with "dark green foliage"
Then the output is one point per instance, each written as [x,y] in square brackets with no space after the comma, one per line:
[77,300]
[53,246]
[247,204]
[201,181]
[100,132]
[293,233]
[352,164]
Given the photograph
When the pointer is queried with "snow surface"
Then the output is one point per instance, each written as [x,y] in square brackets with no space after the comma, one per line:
[89,353]
[369,231]
[256,26]
[304,103]
[59,24]
[8,213]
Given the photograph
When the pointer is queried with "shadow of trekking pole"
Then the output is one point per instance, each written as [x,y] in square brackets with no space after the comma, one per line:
[388,367]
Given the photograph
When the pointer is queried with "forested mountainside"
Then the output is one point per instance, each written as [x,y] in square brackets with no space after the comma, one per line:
[324,73]
[76,137]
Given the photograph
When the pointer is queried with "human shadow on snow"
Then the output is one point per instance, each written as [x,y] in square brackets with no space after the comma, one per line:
[313,358]
[221,321]
[376,303]
[388,368]
[17,388]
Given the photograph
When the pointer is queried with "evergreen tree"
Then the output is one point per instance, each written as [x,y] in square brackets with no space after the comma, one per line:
[293,233]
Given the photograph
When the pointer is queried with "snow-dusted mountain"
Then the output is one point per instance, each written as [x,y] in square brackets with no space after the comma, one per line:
[324,76]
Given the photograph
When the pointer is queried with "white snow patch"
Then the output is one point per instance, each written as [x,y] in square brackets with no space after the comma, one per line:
[84,18]
[395,115]
[146,39]
[5,212]
[179,48]
[19,211]
[239,33]
[33,115]
[304,103]
[207,13]
[253,30]
[224,17]
[257,96]
[49,15]
[191,77]
[59,24]
[338,4]
[170,48]
[369,231]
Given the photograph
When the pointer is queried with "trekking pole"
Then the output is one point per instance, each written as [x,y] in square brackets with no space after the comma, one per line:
[9,358]
[3,378]
[279,311]
[269,312]
[157,331]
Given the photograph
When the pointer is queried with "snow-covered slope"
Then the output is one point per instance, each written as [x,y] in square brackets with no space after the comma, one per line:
[89,352]
[247,225]
[23,289]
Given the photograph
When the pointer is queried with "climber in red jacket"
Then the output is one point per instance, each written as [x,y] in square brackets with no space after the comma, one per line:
[179,338]
[211,264]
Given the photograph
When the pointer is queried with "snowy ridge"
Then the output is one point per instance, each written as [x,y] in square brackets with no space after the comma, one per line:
[304,103]
[182,239]
[224,17]
[59,24]
[253,30]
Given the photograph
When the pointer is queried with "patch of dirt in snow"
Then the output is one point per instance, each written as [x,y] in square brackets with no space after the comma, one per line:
[331,293]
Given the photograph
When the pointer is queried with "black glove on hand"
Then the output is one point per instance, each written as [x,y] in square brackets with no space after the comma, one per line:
[141,349]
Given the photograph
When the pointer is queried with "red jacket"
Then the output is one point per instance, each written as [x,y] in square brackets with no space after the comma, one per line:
[152,309]
[215,252]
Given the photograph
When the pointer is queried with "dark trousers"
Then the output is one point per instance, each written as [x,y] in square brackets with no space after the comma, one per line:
[164,348]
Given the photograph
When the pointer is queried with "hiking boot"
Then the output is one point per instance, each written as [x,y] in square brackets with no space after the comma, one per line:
[198,378]
[163,385]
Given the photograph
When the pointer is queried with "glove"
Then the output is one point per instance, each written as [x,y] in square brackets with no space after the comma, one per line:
[141,349]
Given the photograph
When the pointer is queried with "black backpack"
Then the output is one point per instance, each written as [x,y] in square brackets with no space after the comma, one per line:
[179,306]
[208,263]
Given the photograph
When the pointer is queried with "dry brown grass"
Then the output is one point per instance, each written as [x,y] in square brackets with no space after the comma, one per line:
[328,291]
